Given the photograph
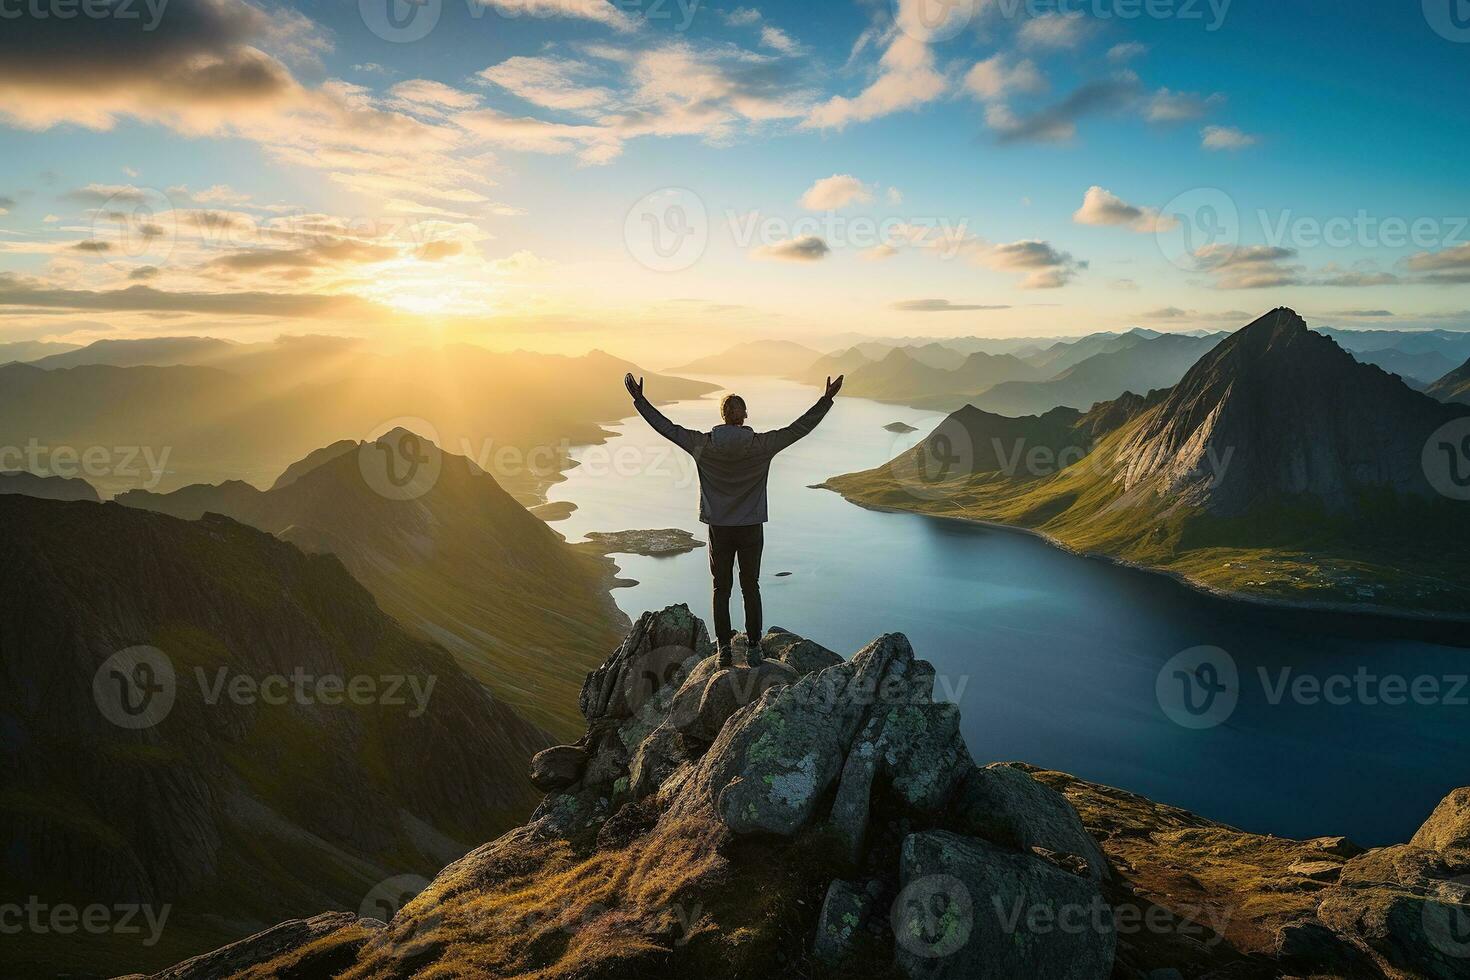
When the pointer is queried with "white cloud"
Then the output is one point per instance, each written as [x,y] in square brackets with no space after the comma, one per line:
[424,94]
[895,196]
[879,252]
[597,10]
[1102,207]
[1167,106]
[907,78]
[837,191]
[552,83]
[742,17]
[1055,30]
[520,263]
[1126,51]
[1225,138]
[778,40]
[991,79]
[675,89]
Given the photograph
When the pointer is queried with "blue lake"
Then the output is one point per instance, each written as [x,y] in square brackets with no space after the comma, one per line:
[1054,659]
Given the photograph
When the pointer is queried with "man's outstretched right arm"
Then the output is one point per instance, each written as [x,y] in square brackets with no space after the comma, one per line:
[686,439]
[780,439]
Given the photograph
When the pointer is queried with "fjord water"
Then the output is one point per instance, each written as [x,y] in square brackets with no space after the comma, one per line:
[1054,658]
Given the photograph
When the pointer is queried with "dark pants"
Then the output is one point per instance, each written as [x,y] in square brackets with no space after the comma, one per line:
[726,544]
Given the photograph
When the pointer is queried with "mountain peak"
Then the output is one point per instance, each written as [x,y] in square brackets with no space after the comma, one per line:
[1279,327]
[1305,416]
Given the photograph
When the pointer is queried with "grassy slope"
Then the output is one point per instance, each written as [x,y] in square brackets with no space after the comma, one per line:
[1296,553]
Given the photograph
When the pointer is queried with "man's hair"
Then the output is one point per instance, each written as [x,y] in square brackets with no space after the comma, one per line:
[732,405]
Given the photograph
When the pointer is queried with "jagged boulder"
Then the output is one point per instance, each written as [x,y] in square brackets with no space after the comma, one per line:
[776,757]
[970,909]
[805,656]
[1448,827]
[1422,935]
[708,699]
[651,657]
[1003,803]
[558,767]
[845,912]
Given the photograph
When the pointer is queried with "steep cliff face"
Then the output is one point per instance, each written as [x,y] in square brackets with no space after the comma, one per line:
[199,715]
[452,556]
[819,817]
[1301,416]
[1453,387]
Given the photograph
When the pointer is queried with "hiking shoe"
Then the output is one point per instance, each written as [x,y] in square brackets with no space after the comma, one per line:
[726,661]
[754,656]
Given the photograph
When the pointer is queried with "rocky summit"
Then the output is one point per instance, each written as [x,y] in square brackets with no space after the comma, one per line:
[810,815]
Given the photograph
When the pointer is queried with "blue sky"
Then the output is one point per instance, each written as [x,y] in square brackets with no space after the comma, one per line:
[898,167]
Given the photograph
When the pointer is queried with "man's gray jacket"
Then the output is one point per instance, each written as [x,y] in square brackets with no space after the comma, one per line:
[733,461]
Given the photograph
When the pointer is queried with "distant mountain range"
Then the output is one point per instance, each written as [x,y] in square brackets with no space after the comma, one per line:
[30,350]
[900,377]
[1076,374]
[1278,468]
[47,487]
[754,357]
[284,746]
[250,414]
[1140,365]
[156,351]
[460,563]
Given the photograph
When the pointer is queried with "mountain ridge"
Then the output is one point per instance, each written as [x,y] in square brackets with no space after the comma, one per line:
[1249,479]
[222,797]
[459,561]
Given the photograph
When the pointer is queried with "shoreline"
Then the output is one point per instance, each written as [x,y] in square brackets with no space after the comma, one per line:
[1386,614]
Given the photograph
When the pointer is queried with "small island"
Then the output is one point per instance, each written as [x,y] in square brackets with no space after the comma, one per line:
[652,544]
[900,427]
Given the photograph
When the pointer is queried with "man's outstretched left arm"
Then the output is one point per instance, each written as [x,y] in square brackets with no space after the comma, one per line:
[686,439]
[780,439]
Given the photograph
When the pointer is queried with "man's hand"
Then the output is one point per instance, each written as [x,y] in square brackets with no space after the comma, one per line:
[833,387]
[635,388]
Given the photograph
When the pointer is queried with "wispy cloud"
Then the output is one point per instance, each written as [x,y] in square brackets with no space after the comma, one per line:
[1225,138]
